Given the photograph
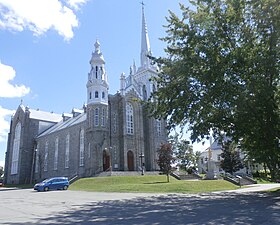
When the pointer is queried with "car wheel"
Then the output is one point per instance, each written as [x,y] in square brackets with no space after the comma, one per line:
[65,187]
[46,188]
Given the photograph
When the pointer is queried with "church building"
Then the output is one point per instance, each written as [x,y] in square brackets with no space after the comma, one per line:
[109,133]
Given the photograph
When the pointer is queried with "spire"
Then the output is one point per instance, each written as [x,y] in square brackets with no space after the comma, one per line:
[145,43]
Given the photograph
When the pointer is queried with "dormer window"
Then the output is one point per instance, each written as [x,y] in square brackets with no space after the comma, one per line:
[103,94]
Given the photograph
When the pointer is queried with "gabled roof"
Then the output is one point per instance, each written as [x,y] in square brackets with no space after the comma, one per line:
[45,116]
[37,114]
[64,124]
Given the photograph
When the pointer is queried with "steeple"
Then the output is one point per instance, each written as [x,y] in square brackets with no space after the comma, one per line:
[145,42]
[97,85]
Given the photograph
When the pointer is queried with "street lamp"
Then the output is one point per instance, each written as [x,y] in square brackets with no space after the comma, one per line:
[141,156]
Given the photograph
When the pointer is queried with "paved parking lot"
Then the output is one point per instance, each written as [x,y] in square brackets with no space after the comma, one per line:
[75,207]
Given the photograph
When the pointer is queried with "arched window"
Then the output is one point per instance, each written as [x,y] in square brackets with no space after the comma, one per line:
[37,159]
[96,94]
[55,154]
[129,119]
[89,151]
[114,123]
[158,126]
[89,95]
[82,147]
[103,94]
[144,92]
[15,156]
[46,156]
[67,151]
[154,87]
[96,117]
[103,117]
[96,72]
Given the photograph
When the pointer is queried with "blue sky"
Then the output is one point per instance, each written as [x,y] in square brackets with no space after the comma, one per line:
[46,45]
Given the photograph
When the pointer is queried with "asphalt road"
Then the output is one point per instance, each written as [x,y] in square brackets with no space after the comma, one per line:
[74,207]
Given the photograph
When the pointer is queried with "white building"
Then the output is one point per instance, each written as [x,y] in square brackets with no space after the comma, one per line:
[214,151]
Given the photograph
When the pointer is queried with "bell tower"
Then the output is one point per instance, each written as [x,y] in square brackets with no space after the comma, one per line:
[97,84]
[97,92]
[97,131]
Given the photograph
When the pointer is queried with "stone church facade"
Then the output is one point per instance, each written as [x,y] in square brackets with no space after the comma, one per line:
[109,133]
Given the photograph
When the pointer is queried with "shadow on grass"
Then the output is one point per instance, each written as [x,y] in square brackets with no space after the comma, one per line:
[223,208]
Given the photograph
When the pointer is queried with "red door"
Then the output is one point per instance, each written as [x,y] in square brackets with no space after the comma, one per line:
[106,161]
[130,161]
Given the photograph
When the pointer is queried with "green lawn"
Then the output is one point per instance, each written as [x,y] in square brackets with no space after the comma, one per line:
[149,184]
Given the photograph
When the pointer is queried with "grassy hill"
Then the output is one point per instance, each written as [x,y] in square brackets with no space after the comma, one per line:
[149,184]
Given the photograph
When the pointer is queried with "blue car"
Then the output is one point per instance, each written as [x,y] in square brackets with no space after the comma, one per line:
[54,183]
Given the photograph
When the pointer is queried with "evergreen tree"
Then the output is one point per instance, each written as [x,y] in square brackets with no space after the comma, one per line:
[231,161]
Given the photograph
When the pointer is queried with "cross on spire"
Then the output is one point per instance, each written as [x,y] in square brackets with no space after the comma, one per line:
[142,3]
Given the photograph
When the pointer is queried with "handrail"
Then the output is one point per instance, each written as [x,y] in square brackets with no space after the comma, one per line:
[73,179]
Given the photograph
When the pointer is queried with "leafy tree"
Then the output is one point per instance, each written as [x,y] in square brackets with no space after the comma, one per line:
[184,153]
[231,161]
[221,73]
[165,159]
[1,171]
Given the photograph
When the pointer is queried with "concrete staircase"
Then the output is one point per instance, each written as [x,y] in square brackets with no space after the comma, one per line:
[240,181]
[181,176]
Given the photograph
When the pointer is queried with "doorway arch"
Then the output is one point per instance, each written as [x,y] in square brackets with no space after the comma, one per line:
[106,160]
[130,161]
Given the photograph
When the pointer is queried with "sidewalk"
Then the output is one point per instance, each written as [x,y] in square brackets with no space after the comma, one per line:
[253,188]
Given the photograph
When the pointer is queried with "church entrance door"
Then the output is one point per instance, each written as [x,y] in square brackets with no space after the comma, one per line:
[106,161]
[130,161]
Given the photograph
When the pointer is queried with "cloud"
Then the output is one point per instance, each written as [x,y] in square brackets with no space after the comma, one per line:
[5,115]
[40,16]
[76,4]
[8,90]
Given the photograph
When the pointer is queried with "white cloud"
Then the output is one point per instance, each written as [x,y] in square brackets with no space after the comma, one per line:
[76,4]
[7,73]
[5,115]
[40,16]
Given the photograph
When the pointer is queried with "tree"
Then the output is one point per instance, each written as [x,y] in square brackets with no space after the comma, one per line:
[184,153]
[1,171]
[221,73]
[165,159]
[231,161]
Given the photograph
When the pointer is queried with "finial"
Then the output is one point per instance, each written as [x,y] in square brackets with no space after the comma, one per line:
[97,46]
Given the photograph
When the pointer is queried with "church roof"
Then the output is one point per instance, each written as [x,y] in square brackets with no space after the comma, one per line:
[45,116]
[65,124]
[37,114]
